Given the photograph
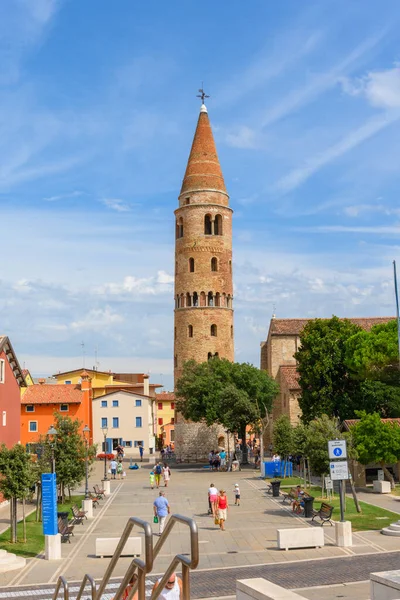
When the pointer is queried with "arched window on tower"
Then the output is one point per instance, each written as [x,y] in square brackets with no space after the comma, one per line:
[214,264]
[191,265]
[195,299]
[209,356]
[231,331]
[210,299]
[177,304]
[188,300]
[190,330]
[230,266]
[179,228]
[217,299]
[214,330]
[203,299]
[216,355]
[207,225]
[218,225]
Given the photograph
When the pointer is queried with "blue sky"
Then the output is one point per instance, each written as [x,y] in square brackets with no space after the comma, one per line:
[97,113]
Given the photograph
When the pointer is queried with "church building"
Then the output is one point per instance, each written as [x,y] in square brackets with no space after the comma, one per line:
[203,273]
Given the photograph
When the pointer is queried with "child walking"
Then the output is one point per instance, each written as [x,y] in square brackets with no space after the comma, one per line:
[152,479]
[236,491]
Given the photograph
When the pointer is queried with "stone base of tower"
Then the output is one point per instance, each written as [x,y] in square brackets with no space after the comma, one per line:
[194,441]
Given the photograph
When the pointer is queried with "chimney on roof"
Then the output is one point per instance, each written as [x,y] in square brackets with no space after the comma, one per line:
[146,385]
[41,381]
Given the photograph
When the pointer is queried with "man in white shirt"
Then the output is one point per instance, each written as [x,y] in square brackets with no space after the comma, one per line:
[113,467]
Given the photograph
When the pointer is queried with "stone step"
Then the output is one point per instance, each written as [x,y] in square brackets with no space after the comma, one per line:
[387,531]
[395,526]
[11,562]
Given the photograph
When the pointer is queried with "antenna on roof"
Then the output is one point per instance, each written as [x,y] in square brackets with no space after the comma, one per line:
[274,311]
[83,353]
[96,362]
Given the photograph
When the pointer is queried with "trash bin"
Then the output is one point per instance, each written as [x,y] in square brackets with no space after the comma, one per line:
[308,506]
[275,488]
[64,516]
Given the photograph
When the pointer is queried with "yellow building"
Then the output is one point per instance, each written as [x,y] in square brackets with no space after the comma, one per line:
[164,411]
[28,380]
[104,382]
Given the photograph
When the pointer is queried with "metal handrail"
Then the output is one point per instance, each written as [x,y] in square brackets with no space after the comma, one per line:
[61,582]
[92,582]
[143,566]
[187,563]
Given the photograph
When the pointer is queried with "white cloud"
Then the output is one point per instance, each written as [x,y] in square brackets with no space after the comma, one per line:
[97,319]
[359,209]
[74,194]
[380,88]
[351,140]
[117,204]
[319,83]
[163,277]
[243,137]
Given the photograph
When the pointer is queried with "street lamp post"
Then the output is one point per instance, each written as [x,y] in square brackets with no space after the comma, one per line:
[86,430]
[52,432]
[105,431]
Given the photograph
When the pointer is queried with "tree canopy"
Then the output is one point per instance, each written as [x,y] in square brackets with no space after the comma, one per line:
[318,432]
[376,441]
[343,369]
[218,391]
[325,385]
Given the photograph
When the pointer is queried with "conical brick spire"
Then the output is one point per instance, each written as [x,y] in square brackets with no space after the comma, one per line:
[203,171]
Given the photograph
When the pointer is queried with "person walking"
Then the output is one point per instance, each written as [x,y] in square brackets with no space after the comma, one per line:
[222,456]
[157,473]
[222,506]
[152,477]
[166,473]
[213,497]
[172,590]
[141,450]
[120,470]
[113,467]
[161,511]
[129,587]
[236,491]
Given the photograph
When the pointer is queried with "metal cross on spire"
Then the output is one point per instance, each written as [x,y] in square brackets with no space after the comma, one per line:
[202,94]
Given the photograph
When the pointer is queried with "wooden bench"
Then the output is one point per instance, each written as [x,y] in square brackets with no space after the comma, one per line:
[324,513]
[78,515]
[65,530]
[99,493]
[94,499]
[290,496]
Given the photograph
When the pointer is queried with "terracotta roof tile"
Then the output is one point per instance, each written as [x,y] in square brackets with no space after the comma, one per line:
[203,170]
[296,326]
[165,396]
[52,394]
[290,376]
[351,422]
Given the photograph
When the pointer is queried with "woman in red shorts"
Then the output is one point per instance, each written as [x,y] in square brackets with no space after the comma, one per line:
[222,505]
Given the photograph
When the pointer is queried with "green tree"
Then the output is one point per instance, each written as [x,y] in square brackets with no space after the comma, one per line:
[318,433]
[376,441]
[326,387]
[232,394]
[18,474]
[69,453]
[283,437]
[374,354]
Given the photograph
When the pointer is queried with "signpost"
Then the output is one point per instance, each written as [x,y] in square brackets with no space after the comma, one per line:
[49,512]
[337,449]
[339,471]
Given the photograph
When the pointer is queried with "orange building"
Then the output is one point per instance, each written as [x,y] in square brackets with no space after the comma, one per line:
[41,401]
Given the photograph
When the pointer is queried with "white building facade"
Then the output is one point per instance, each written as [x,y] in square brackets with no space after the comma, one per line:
[129,419]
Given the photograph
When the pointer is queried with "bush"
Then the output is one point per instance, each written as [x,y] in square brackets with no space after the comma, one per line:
[108,456]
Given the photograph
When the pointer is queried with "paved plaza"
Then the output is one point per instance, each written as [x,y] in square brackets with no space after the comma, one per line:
[246,549]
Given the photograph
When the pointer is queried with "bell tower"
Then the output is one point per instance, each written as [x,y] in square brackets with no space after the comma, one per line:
[203,256]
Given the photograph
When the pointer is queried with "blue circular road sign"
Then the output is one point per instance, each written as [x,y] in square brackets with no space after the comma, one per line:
[337,451]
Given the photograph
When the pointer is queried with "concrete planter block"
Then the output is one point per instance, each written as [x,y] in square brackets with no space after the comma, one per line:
[87,506]
[52,547]
[385,585]
[382,487]
[303,537]
[262,589]
[343,534]
[107,546]
[106,486]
